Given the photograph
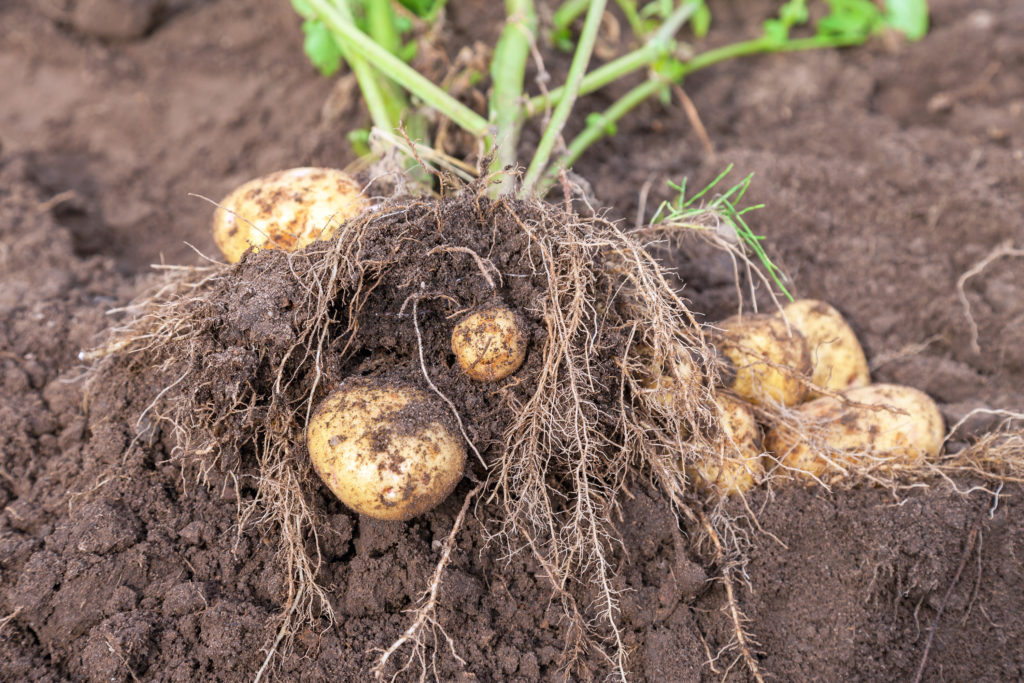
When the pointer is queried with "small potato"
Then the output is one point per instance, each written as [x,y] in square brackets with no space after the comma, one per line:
[671,379]
[837,359]
[898,424]
[771,360]
[286,210]
[490,344]
[739,468]
[384,449]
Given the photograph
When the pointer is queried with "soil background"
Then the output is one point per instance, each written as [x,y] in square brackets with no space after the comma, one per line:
[886,171]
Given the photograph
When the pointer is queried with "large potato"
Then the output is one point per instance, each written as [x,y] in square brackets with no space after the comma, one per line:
[286,210]
[771,361]
[738,467]
[384,449]
[894,424]
[490,345]
[837,359]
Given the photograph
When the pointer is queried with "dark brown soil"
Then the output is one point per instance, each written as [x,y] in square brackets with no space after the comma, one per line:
[887,173]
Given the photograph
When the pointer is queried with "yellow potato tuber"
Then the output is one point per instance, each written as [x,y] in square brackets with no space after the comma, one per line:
[384,449]
[738,467]
[885,426]
[670,378]
[771,361]
[837,359]
[490,344]
[286,210]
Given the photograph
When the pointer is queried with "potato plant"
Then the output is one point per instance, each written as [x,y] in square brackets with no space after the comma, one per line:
[615,381]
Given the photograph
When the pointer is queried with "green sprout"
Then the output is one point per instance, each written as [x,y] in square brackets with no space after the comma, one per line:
[684,211]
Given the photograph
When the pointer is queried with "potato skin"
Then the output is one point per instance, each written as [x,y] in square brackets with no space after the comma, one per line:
[912,435]
[771,360]
[383,450]
[490,344]
[286,210]
[837,359]
[739,468]
[671,379]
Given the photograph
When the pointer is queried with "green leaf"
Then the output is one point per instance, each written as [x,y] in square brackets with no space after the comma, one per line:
[776,31]
[851,19]
[908,16]
[408,51]
[321,47]
[403,24]
[360,141]
[793,13]
[303,8]
[421,8]
[700,22]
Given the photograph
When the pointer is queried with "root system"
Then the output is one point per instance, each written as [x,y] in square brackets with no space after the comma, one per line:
[236,358]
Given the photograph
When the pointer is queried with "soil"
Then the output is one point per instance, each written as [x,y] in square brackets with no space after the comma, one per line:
[886,171]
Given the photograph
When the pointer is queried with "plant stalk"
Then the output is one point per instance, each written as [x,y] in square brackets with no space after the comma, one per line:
[508,72]
[599,126]
[577,69]
[380,23]
[358,43]
[659,46]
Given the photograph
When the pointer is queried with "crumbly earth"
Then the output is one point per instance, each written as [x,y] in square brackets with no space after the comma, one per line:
[887,173]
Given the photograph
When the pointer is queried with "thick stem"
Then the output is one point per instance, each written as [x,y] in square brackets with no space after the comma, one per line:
[508,71]
[380,23]
[368,81]
[572,86]
[358,43]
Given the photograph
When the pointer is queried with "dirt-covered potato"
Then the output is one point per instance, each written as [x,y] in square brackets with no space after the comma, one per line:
[739,468]
[669,378]
[385,450]
[770,360]
[895,424]
[286,210]
[837,359]
[490,344]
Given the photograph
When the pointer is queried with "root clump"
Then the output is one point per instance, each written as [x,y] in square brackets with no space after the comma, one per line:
[235,359]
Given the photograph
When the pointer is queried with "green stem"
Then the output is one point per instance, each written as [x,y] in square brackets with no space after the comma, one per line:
[759,46]
[380,23]
[369,85]
[577,69]
[563,17]
[597,127]
[660,45]
[358,43]
[508,71]
[628,8]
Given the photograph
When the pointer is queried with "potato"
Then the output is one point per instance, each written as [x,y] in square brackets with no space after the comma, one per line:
[899,424]
[837,359]
[490,344]
[384,449]
[671,379]
[739,468]
[771,360]
[286,210]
